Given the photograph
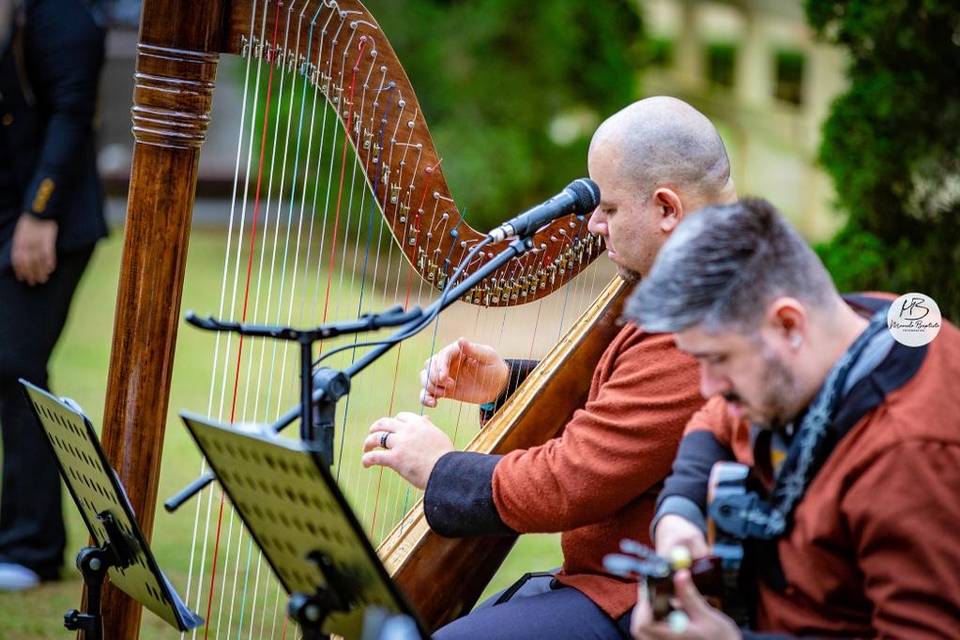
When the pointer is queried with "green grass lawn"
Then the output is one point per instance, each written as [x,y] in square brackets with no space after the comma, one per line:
[79,370]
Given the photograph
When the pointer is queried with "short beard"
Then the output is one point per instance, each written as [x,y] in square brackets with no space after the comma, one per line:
[781,388]
[628,275]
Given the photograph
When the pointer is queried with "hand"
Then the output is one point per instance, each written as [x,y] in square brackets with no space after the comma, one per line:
[34,251]
[409,444]
[676,531]
[463,371]
[701,621]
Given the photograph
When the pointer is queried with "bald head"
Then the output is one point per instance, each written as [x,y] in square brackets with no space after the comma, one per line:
[663,141]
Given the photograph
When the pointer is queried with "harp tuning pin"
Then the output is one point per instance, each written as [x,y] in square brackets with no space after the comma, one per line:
[436,195]
[402,103]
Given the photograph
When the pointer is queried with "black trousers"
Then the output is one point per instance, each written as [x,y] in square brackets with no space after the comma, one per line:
[539,607]
[31,320]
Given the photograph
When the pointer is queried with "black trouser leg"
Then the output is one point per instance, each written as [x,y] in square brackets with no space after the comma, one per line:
[31,320]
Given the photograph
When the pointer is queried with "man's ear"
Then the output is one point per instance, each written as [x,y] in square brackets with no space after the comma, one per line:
[787,318]
[669,207]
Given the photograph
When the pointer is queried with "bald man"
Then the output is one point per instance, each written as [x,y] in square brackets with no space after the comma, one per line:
[597,482]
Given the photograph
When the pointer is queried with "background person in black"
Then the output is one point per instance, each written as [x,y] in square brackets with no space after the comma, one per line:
[51,215]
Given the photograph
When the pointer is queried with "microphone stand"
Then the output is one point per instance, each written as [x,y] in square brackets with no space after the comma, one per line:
[321,390]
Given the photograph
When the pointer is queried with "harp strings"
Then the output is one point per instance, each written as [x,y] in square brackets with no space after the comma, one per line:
[305,244]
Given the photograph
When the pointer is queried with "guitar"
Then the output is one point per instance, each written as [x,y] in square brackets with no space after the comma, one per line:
[715,575]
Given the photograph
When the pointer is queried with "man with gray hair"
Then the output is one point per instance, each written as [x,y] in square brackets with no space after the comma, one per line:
[852,436]
[654,161]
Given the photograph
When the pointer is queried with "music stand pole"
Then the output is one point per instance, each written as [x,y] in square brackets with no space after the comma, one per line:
[93,563]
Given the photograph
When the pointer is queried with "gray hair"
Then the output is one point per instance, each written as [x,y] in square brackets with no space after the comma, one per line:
[722,267]
[665,141]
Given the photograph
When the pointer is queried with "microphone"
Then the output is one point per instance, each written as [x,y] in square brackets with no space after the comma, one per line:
[580,196]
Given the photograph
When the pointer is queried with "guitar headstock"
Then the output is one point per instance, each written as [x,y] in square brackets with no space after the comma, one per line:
[640,562]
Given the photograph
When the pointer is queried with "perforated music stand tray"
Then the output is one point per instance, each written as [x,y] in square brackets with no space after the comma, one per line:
[294,510]
[97,491]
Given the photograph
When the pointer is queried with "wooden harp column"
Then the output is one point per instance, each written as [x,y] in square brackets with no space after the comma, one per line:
[176,67]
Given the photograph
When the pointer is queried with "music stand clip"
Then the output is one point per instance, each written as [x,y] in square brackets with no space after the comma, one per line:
[311,610]
[93,563]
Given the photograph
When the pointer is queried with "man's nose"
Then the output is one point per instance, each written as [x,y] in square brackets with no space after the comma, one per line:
[597,223]
[712,384]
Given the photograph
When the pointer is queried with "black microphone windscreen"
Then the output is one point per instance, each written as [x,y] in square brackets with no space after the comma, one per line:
[587,193]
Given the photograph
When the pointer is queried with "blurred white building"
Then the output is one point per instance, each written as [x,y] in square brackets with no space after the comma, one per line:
[755,68]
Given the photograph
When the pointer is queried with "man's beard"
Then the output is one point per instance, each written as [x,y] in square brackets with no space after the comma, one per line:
[630,276]
[780,387]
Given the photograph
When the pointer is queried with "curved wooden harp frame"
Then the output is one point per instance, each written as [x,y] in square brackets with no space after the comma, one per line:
[180,43]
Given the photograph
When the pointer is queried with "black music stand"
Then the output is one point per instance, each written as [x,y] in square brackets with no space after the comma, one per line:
[296,514]
[121,550]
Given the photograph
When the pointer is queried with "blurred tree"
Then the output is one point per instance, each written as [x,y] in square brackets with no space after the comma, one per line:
[892,145]
[512,90]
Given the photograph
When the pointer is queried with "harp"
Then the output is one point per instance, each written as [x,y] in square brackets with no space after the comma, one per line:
[385,187]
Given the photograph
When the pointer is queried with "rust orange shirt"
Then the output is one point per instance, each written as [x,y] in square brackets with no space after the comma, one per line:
[874,550]
[598,481]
